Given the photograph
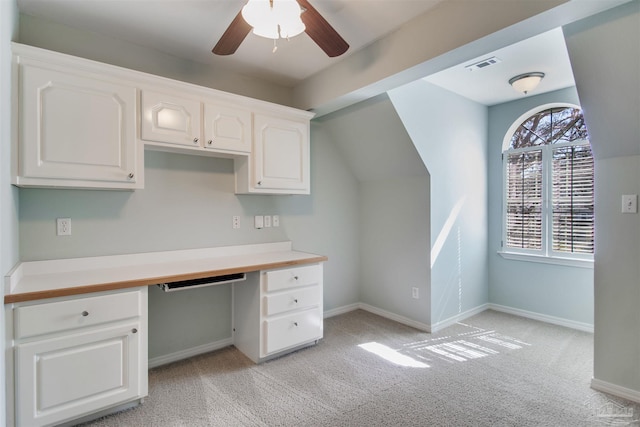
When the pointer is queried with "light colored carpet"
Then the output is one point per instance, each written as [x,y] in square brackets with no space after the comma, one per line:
[493,369]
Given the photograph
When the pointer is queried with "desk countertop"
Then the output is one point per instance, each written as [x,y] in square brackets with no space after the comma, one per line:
[36,280]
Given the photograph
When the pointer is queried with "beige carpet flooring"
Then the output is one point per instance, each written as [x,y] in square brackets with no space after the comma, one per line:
[493,369]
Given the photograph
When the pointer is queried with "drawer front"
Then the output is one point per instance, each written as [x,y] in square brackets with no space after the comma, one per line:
[292,300]
[292,277]
[292,330]
[77,313]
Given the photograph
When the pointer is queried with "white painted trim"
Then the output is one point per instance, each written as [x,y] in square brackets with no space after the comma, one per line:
[581,326]
[190,352]
[341,310]
[435,327]
[616,390]
[555,260]
[392,316]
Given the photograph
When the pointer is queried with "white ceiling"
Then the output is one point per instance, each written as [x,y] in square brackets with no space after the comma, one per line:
[190,28]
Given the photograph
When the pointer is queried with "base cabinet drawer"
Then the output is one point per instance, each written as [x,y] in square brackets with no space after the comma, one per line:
[292,330]
[287,278]
[59,316]
[292,300]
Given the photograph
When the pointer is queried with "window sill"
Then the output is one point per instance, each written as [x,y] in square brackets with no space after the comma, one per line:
[569,262]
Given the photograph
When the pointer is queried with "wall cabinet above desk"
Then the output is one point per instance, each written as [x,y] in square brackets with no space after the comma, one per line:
[188,122]
[85,124]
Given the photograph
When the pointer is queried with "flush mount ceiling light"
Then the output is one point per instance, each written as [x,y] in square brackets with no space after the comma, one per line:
[527,82]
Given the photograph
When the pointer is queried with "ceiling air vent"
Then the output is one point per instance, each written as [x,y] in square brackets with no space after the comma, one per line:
[483,64]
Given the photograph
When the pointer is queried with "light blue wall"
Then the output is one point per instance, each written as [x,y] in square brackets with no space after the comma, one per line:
[559,291]
[605,55]
[393,206]
[450,135]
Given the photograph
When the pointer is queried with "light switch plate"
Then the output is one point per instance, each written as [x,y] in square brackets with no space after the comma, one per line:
[258,221]
[267,221]
[629,203]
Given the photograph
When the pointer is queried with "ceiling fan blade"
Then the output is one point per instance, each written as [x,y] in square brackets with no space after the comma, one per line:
[233,36]
[321,32]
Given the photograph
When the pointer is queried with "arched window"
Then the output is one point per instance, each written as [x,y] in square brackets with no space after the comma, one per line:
[548,165]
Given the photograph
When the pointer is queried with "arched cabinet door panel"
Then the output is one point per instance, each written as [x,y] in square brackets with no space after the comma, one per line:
[76,130]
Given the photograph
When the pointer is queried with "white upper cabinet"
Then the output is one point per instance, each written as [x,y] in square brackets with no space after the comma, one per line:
[170,119]
[190,123]
[279,163]
[75,130]
[77,127]
[227,128]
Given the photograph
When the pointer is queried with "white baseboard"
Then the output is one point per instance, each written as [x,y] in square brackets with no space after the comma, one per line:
[581,326]
[435,327]
[341,310]
[392,316]
[616,390]
[190,352]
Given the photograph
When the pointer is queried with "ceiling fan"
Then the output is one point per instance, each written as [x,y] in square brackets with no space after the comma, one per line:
[315,25]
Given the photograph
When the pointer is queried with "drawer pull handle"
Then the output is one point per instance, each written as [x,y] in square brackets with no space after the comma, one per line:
[85,313]
[295,324]
[134,331]
[295,278]
[295,300]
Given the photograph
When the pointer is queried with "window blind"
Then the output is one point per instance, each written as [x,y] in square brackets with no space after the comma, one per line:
[524,200]
[572,199]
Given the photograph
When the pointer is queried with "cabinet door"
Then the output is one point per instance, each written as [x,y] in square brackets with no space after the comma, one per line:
[227,128]
[74,127]
[71,376]
[281,154]
[170,119]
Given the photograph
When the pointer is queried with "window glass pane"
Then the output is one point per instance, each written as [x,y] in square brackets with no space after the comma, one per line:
[572,199]
[563,124]
[568,125]
[524,200]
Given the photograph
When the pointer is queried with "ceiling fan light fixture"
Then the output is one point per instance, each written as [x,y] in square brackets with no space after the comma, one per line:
[274,19]
[527,82]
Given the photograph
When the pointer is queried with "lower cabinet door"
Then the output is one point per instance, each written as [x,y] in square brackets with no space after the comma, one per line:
[70,376]
[292,330]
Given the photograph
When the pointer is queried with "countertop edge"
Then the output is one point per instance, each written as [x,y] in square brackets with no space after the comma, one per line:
[148,281]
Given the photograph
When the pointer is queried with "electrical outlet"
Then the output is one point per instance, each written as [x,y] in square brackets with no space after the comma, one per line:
[415,293]
[267,221]
[275,221]
[236,222]
[63,226]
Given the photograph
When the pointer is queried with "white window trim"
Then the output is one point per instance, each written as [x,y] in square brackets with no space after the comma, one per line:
[546,255]
[544,259]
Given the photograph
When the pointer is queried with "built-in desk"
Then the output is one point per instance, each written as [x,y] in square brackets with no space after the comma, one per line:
[77,328]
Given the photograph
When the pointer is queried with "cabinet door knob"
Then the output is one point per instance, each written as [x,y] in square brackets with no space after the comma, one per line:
[134,331]
[259,182]
[295,278]
[131,175]
[295,300]
[195,140]
[295,324]
[210,142]
[85,313]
